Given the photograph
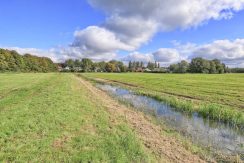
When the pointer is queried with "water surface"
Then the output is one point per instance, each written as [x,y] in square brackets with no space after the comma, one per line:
[217,135]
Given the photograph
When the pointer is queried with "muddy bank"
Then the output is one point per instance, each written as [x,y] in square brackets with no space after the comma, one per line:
[217,136]
[167,148]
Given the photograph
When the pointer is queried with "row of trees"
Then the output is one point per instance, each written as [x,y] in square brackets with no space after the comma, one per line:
[11,61]
[139,66]
[86,65]
[237,70]
[200,65]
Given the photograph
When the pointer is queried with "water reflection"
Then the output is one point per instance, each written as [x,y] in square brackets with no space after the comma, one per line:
[220,136]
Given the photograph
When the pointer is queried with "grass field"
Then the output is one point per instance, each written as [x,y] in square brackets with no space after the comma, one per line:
[219,96]
[53,118]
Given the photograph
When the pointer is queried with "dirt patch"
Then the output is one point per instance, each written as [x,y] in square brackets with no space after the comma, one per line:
[59,143]
[163,146]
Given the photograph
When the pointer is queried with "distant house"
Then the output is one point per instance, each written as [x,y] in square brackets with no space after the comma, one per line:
[139,69]
[77,69]
[147,70]
[60,68]
[67,68]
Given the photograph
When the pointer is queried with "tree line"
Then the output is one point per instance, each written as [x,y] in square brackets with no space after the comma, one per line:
[11,61]
[87,65]
[197,65]
[136,66]
[237,70]
[200,65]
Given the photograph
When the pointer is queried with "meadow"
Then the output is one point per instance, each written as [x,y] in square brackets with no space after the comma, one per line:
[53,118]
[218,96]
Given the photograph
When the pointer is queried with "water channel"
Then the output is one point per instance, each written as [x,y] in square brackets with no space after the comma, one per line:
[216,135]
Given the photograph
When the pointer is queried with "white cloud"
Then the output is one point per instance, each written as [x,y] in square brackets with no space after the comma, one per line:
[136,56]
[170,14]
[98,40]
[167,55]
[230,52]
[133,31]
[130,24]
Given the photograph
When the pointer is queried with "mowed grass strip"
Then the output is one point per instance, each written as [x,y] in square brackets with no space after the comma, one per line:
[218,96]
[52,118]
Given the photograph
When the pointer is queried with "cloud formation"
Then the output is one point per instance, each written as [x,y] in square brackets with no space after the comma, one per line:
[136,56]
[167,56]
[129,24]
[230,52]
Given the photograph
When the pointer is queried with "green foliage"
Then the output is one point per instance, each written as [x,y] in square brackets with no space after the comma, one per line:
[86,65]
[182,67]
[199,65]
[135,66]
[11,61]
[151,65]
[110,67]
[237,70]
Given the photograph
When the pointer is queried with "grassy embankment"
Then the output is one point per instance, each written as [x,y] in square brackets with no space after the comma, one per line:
[53,118]
[219,97]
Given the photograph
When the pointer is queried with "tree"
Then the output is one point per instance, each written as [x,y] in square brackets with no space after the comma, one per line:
[12,61]
[119,66]
[110,67]
[220,68]
[212,68]
[200,65]
[183,67]
[86,64]
[197,65]
[70,63]
[141,64]
[101,66]
[130,66]
[77,63]
[150,65]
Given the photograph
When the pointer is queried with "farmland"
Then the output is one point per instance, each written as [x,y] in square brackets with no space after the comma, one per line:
[63,118]
[57,117]
[217,96]
[52,117]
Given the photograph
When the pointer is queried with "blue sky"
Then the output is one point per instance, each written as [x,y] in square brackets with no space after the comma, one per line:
[47,26]
[43,23]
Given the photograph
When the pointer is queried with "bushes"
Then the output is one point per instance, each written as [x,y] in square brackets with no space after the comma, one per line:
[200,65]
[11,61]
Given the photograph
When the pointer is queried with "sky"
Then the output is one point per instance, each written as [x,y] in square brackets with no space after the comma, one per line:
[166,31]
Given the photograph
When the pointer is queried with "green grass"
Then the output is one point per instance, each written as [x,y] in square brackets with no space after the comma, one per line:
[219,96]
[53,118]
